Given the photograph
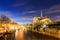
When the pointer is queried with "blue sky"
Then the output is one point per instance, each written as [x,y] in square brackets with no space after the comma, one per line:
[23,11]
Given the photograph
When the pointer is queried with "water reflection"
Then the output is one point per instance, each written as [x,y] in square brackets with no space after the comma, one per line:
[19,34]
[22,34]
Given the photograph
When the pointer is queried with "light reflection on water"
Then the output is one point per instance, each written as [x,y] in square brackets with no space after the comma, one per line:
[23,34]
[19,34]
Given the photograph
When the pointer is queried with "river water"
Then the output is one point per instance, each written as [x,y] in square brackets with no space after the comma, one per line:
[22,35]
[27,35]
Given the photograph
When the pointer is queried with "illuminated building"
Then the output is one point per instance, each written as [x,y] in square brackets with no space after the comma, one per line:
[42,21]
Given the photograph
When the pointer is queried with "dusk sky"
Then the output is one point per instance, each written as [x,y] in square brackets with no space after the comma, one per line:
[23,11]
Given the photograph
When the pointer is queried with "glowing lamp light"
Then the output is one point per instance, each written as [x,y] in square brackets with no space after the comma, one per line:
[13,28]
[44,26]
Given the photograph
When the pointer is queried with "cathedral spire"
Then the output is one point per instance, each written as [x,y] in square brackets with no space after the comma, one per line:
[41,14]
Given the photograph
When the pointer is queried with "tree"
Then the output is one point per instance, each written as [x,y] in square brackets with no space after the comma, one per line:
[5,19]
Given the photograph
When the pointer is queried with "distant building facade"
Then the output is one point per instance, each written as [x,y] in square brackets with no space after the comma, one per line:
[41,21]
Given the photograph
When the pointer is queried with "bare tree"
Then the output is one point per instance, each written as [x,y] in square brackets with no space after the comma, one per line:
[5,19]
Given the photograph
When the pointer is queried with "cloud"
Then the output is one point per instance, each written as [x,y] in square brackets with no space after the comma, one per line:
[6,13]
[53,9]
[31,11]
[56,18]
[17,4]
[24,19]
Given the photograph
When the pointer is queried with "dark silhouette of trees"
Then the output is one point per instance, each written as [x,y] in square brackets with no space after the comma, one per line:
[55,25]
[5,19]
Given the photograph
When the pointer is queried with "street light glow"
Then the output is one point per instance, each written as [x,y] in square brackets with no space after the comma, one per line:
[12,28]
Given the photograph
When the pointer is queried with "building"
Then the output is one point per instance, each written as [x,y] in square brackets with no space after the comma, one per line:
[41,21]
